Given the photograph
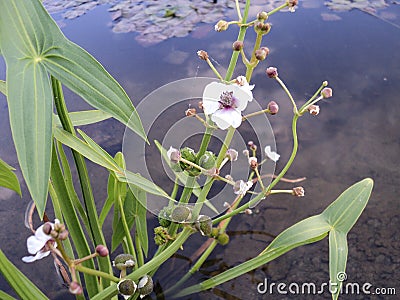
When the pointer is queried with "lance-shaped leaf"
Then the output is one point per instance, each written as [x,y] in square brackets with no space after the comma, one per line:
[3,87]
[24,288]
[85,117]
[8,179]
[29,96]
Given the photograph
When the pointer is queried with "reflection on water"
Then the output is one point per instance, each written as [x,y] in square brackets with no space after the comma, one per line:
[356,135]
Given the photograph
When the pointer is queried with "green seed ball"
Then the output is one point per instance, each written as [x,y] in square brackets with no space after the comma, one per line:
[180,214]
[204,225]
[126,287]
[223,239]
[145,285]
[214,232]
[123,261]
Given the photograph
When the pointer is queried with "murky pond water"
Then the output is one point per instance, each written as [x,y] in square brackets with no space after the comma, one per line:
[356,135]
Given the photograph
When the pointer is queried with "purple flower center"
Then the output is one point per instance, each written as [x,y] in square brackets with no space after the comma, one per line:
[227,100]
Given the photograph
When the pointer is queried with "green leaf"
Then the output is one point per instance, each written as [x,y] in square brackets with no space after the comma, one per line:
[8,179]
[3,87]
[344,212]
[5,296]
[140,204]
[24,288]
[85,117]
[141,183]
[110,199]
[118,228]
[98,157]
[337,260]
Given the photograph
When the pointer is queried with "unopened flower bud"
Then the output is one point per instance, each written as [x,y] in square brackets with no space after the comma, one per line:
[223,239]
[252,146]
[63,235]
[248,211]
[123,261]
[207,160]
[253,162]
[221,26]
[202,54]
[174,155]
[54,234]
[326,93]
[181,214]
[75,288]
[246,153]
[313,109]
[232,154]
[262,16]
[59,227]
[126,288]
[145,285]
[292,3]
[101,250]
[47,228]
[261,53]
[272,72]
[273,108]
[298,191]
[190,112]
[237,46]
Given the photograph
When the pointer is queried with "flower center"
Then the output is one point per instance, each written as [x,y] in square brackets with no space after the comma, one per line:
[227,100]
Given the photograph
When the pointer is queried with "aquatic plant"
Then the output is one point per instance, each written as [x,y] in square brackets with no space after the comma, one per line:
[39,60]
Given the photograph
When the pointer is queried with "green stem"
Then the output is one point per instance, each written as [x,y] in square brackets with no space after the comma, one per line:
[242,33]
[149,266]
[277,9]
[253,61]
[282,84]
[90,206]
[93,272]
[311,100]
[262,195]
[205,141]
[238,10]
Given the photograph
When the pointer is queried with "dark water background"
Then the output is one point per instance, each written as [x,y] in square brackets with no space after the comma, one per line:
[355,136]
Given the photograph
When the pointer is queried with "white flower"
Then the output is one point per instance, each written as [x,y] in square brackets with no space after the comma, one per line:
[225,103]
[272,155]
[241,187]
[36,244]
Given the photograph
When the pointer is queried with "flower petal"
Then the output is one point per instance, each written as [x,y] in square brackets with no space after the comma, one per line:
[34,244]
[227,117]
[39,255]
[272,155]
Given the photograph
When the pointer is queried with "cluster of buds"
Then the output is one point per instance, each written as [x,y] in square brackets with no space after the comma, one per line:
[262,28]
[58,230]
[220,237]
[161,236]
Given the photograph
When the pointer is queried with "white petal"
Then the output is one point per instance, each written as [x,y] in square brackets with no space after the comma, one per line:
[34,244]
[272,155]
[40,235]
[39,255]
[227,117]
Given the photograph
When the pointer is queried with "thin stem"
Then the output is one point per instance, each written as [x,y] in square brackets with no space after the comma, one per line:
[242,33]
[238,10]
[281,192]
[89,271]
[259,178]
[277,9]
[214,69]
[311,100]
[253,61]
[282,84]
[256,113]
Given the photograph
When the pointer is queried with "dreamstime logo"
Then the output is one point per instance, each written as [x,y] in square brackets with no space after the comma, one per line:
[311,288]
[163,116]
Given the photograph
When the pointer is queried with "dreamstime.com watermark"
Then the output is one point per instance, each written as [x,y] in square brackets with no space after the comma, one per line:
[310,288]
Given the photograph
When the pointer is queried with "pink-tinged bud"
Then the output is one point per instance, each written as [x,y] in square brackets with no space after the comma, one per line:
[75,288]
[252,146]
[102,250]
[272,72]
[313,109]
[63,235]
[190,112]
[202,54]
[326,93]
[292,3]
[221,26]
[262,16]
[253,162]
[47,228]
[237,46]
[246,153]
[174,155]
[298,191]
[273,108]
[232,154]
[261,53]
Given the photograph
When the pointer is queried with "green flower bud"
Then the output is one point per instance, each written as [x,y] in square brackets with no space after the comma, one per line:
[221,26]
[145,285]
[262,16]
[214,232]
[207,160]
[126,288]
[204,225]
[181,214]
[223,239]
[123,261]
